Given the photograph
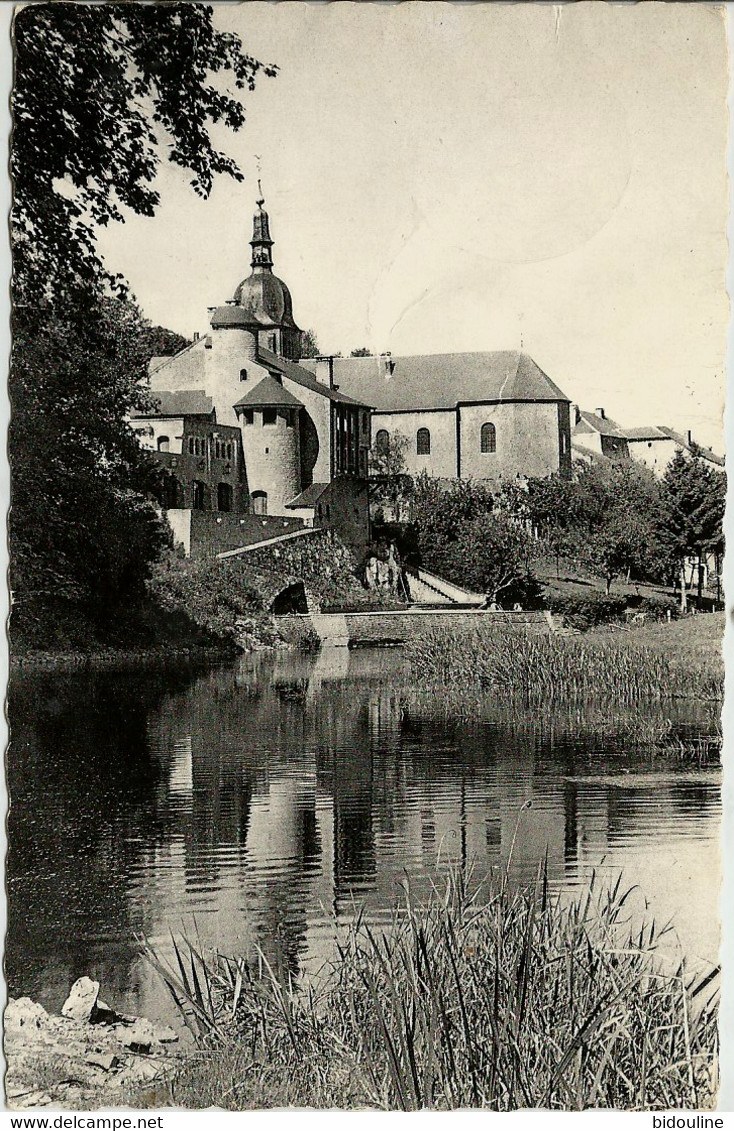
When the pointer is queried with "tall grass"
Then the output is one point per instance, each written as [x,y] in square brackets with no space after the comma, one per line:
[553,668]
[501,999]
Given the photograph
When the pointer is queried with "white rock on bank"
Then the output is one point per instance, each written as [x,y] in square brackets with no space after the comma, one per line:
[82,1000]
[22,1013]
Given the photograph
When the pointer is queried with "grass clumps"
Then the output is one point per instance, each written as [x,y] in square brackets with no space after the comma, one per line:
[501,999]
[654,663]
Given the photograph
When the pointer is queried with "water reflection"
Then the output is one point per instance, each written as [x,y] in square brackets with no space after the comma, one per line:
[267,799]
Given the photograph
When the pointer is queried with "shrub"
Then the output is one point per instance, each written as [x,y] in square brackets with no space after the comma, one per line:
[657,608]
[214,594]
[589,611]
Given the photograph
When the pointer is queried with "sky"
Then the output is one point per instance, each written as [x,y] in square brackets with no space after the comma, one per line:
[451,177]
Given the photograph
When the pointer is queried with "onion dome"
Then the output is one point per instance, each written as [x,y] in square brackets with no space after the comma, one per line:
[264,298]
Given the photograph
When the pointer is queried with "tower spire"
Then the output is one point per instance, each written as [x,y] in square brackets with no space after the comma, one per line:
[261,243]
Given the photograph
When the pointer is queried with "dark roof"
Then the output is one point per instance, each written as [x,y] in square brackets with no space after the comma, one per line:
[309,497]
[302,376]
[190,402]
[268,392]
[443,380]
[591,422]
[265,300]
[229,315]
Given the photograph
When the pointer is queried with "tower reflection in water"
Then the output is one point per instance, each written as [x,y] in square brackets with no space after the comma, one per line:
[259,803]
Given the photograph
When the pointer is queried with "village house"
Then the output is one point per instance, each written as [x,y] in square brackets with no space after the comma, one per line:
[595,435]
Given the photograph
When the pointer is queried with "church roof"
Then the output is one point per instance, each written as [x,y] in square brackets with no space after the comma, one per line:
[265,300]
[309,497]
[269,393]
[443,380]
[190,402]
[300,375]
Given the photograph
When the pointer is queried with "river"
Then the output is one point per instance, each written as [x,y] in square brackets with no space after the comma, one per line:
[264,801]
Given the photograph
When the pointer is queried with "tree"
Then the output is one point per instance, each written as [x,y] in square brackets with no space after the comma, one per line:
[491,555]
[362,351]
[101,92]
[309,344]
[389,482]
[696,497]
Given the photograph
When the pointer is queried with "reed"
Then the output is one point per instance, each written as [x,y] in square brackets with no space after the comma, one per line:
[537,668]
[499,998]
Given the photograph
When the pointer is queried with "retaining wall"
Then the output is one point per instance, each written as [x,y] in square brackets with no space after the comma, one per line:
[355,629]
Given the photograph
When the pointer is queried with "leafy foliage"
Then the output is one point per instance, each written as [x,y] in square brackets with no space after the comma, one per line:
[390,484]
[696,497]
[612,517]
[463,538]
[591,611]
[361,351]
[79,523]
[101,92]
[309,344]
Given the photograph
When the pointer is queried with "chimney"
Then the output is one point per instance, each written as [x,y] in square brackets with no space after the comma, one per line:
[196,335]
[575,414]
[600,412]
[324,371]
[389,365]
[689,438]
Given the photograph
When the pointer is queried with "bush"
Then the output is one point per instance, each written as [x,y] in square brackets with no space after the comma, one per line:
[657,608]
[589,611]
[214,594]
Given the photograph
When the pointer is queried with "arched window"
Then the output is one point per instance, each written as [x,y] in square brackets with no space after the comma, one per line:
[164,444]
[243,374]
[382,439]
[191,445]
[199,495]
[224,497]
[489,438]
[259,502]
[423,442]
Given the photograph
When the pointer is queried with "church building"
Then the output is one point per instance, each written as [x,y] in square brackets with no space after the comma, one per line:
[296,447]
[491,416]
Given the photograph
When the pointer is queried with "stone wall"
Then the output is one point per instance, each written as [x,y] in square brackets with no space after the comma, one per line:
[203,534]
[354,629]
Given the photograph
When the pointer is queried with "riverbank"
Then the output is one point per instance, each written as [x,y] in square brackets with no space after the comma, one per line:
[88,1057]
[677,660]
[499,999]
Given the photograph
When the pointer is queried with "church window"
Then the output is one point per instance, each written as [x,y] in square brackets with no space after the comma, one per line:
[423,442]
[488,438]
[270,416]
[164,444]
[259,502]
[217,450]
[243,374]
[191,445]
[382,439]
[564,443]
